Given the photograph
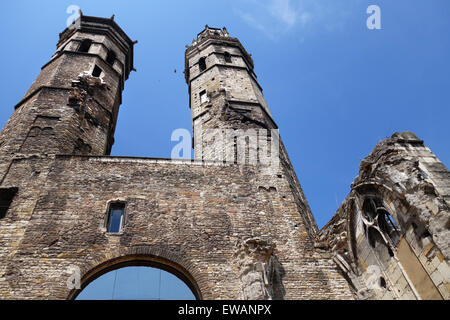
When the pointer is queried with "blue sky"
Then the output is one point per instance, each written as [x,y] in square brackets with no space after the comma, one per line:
[334,87]
[137,283]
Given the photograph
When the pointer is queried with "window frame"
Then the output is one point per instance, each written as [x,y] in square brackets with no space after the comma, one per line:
[84,43]
[110,205]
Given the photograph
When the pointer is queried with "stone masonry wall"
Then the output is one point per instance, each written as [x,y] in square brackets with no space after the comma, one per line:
[221,226]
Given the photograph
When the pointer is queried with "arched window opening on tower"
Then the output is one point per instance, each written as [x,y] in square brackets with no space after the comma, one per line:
[115,221]
[202,64]
[137,283]
[111,57]
[97,71]
[227,57]
[6,197]
[85,45]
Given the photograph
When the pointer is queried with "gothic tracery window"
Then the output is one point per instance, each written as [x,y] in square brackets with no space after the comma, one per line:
[377,218]
[111,57]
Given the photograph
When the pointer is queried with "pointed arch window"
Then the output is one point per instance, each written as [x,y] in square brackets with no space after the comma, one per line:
[203,97]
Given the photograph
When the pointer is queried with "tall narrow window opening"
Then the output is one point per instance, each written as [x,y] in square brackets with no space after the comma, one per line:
[376,215]
[85,45]
[6,197]
[97,71]
[227,57]
[111,57]
[202,64]
[203,97]
[115,217]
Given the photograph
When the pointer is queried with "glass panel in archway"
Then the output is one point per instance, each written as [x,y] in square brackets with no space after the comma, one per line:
[137,283]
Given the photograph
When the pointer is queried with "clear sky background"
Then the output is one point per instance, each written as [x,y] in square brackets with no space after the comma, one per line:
[334,87]
[137,283]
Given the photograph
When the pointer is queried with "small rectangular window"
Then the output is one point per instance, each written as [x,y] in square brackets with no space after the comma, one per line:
[202,64]
[203,97]
[115,217]
[227,57]
[6,197]
[97,71]
[85,45]
[111,57]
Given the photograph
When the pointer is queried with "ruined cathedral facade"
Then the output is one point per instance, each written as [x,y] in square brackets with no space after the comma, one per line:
[229,230]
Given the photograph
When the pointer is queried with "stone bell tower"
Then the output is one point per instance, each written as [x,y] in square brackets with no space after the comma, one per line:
[227,105]
[229,230]
[224,91]
[72,106]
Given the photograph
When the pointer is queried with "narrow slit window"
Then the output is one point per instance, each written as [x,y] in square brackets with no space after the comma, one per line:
[203,97]
[227,57]
[85,45]
[111,57]
[202,64]
[6,197]
[115,217]
[97,71]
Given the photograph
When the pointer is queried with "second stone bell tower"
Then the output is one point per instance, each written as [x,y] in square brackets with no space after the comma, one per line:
[225,96]
[72,106]
[228,229]
[224,91]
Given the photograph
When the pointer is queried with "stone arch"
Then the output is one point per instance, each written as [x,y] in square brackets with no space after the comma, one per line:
[143,256]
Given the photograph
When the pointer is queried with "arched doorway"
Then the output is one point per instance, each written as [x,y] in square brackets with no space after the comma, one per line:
[137,283]
[137,278]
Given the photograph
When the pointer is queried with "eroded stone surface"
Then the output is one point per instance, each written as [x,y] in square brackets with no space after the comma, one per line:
[401,179]
[231,230]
